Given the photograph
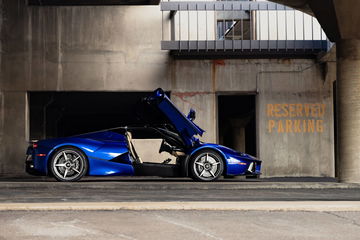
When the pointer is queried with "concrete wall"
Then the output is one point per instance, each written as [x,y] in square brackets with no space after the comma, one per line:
[118,49]
[289,149]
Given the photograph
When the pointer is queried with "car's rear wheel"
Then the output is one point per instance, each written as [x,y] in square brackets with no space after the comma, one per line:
[68,164]
[206,165]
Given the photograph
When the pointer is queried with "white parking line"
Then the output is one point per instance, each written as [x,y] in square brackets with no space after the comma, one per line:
[188,227]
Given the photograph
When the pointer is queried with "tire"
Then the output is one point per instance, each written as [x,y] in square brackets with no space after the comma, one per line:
[229,176]
[206,166]
[68,164]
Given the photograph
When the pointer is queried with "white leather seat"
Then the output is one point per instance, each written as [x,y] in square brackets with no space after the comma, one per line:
[132,148]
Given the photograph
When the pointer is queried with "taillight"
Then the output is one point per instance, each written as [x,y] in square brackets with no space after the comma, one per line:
[34,145]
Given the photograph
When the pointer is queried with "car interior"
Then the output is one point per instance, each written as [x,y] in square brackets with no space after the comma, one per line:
[171,143]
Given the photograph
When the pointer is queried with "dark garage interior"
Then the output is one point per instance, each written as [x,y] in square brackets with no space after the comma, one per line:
[60,114]
[237,122]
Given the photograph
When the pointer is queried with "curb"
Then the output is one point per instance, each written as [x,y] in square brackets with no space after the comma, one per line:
[311,206]
[176,186]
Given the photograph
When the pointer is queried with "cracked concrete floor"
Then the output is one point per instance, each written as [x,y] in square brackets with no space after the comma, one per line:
[173,225]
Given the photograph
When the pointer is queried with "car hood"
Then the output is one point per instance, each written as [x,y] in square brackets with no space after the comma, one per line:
[186,128]
[230,151]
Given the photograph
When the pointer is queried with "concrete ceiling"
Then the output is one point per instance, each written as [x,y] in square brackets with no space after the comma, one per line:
[348,18]
[339,18]
[325,13]
[92,2]
[301,5]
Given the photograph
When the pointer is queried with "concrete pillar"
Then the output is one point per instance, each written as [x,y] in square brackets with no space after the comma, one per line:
[348,103]
[238,126]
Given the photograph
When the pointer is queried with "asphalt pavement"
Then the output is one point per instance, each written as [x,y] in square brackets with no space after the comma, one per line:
[132,189]
[149,208]
[176,225]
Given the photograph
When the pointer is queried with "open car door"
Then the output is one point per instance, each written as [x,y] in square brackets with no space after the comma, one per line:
[185,127]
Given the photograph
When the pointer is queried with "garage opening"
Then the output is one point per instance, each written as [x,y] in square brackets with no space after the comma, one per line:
[237,122]
[61,114]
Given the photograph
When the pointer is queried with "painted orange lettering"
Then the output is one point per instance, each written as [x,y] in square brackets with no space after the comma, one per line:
[322,110]
[297,128]
[311,125]
[307,109]
[280,127]
[284,108]
[270,110]
[271,125]
[292,110]
[288,124]
[299,109]
[319,126]
[277,110]
[314,110]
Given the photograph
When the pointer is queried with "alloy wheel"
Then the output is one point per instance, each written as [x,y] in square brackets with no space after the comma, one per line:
[207,166]
[68,165]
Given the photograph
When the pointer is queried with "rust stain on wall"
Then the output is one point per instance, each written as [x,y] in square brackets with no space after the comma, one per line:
[219,62]
[213,76]
[285,61]
[215,63]
[184,95]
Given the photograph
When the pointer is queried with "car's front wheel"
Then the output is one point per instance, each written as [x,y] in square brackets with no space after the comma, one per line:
[206,165]
[68,165]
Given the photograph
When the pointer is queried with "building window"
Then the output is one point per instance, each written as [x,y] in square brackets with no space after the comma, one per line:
[233,29]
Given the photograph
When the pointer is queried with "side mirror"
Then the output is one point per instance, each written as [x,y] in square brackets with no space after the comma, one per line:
[192,115]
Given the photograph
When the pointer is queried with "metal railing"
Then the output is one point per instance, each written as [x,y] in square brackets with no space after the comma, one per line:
[239,26]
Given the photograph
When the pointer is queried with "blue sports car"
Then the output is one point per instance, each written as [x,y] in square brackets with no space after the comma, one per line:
[111,152]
